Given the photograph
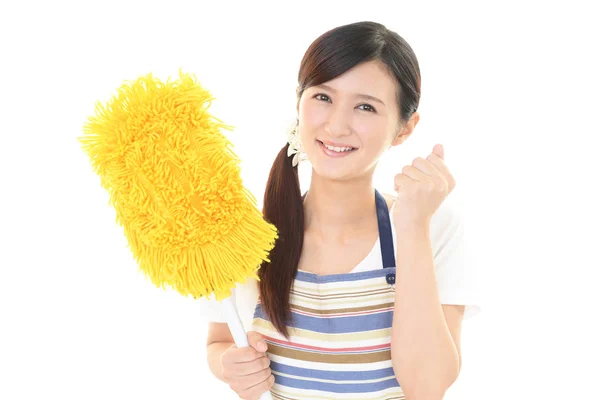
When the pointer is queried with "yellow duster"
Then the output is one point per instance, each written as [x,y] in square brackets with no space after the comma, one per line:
[175,184]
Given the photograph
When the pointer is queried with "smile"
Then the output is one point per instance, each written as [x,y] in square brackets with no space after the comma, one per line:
[335,152]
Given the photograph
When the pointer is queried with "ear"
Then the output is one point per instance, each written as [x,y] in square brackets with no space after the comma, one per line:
[297,100]
[406,130]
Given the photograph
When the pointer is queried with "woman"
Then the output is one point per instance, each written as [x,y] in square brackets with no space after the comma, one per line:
[365,293]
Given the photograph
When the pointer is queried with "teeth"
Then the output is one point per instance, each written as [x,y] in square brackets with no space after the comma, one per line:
[337,149]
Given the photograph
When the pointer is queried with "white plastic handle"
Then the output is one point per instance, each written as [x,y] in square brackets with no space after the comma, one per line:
[237,331]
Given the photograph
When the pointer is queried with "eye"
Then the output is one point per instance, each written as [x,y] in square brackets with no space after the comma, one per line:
[369,107]
[316,96]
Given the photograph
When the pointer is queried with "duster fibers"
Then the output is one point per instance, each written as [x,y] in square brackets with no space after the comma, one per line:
[175,184]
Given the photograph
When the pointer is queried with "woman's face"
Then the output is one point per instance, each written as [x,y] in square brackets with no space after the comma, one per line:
[340,113]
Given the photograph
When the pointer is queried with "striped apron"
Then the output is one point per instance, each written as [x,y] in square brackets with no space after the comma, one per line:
[340,330]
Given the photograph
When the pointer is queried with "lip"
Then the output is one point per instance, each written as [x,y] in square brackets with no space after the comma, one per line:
[327,142]
[332,153]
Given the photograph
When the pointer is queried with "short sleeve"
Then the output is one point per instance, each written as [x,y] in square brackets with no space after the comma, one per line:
[245,297]
[455,270]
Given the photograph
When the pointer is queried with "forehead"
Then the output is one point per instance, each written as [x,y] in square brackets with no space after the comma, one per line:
[371,77]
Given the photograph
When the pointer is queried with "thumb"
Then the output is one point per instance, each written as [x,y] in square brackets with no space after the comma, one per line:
[438,150]
[257,341]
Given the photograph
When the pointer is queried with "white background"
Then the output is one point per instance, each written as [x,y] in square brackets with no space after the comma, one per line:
[510,88]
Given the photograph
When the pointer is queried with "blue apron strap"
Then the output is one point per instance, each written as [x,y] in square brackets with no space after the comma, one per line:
[385,232]
[386,240]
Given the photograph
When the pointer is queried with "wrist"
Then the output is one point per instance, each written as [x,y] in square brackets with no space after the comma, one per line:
[412,227]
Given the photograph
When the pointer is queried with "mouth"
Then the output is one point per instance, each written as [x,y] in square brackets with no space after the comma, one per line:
[336,152]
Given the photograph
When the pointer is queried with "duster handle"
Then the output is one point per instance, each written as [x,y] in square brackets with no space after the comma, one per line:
[237,331]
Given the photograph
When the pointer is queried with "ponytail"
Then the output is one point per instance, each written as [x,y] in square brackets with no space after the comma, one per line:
[283,207]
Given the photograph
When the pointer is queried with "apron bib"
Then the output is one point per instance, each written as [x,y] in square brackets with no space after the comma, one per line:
[340,331]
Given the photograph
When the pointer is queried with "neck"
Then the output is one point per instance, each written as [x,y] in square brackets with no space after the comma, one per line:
[335,210]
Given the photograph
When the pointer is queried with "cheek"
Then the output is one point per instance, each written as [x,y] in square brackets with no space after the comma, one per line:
[311,115]
[373,133]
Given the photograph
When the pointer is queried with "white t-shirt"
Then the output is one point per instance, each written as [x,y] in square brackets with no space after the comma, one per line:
[455,272]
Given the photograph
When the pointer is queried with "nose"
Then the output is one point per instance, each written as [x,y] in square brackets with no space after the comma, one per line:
[337,124]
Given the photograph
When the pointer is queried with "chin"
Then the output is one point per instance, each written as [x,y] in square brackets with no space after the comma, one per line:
[340,173]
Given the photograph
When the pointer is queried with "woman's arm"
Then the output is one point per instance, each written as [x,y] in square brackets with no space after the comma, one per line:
[218,340]
[425,335]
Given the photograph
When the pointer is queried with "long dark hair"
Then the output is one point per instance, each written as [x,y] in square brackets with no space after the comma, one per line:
[329,56]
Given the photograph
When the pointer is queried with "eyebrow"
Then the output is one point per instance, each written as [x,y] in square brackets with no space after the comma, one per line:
[362,95]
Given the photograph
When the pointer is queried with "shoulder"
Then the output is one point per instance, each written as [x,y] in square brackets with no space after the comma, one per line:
[245,296]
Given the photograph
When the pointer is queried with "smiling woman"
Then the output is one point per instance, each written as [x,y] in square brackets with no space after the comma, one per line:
[327,300]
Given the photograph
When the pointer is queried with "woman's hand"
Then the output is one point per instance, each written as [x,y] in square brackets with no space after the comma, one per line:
[421,188]
[246,370]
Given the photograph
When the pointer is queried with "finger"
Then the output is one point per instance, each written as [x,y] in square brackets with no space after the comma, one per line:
[443,168]
[402,180]
[244,384]
[250,367]
[438,150]
[249,380]
[242,354]
[426,166]
[257,341]
[255,391]
[438,163]
[415,174]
